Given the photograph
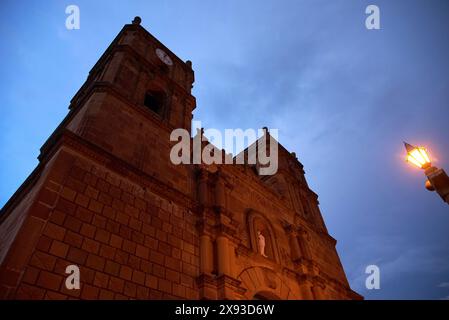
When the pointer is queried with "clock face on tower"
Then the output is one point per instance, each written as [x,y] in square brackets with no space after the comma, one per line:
[164,57]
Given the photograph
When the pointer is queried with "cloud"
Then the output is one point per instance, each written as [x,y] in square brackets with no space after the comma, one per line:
[443,285]
[398,263]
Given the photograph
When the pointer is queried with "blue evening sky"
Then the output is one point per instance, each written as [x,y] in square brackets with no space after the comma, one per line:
[343,98]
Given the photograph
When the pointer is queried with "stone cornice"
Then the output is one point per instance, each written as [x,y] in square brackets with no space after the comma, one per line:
[68,139]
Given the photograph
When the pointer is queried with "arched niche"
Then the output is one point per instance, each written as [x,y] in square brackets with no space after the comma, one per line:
[257,222]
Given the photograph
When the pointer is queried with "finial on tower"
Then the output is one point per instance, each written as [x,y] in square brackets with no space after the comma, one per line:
[137,20]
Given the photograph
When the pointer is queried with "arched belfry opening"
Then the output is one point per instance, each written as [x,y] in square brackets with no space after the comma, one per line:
[155,100]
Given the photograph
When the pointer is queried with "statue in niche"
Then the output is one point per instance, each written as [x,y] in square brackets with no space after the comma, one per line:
[261,242]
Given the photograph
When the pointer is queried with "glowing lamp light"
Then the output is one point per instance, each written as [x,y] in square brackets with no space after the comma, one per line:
[417,156]
[437,179]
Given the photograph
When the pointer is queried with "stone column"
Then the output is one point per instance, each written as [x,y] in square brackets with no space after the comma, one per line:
[304,245]
[202,189]
[223,255]
[206,257]
[318,292]
[294,246]
[306,291]
[220,195]
[232,266]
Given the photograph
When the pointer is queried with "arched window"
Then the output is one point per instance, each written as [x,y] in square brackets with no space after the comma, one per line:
[155,101]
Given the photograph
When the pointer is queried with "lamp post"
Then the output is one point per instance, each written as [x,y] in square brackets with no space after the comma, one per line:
[437,179]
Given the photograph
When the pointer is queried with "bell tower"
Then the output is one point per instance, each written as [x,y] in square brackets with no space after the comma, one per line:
[134,96]
[140,71]
[105,196]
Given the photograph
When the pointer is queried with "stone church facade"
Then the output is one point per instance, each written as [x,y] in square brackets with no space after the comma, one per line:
[106,198]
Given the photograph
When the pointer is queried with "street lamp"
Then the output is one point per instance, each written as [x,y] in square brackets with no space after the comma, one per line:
[437,179]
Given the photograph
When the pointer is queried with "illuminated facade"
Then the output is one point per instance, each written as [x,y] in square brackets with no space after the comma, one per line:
[106,197]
